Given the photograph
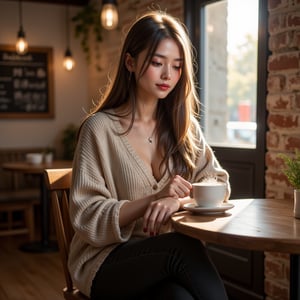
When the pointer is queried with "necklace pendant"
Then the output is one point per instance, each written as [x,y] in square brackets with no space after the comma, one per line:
[150,140]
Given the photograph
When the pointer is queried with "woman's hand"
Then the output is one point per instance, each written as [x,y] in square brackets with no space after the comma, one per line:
[156,209]
[167,202]
[158,213]
[177,187]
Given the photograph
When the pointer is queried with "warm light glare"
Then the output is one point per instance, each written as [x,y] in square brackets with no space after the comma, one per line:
[69,63]
[21,46]
[109,16]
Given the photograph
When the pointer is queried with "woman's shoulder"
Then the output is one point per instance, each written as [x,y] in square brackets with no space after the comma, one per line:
[103,119]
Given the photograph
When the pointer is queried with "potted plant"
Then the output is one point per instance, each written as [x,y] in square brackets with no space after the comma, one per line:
[69,135]
[292,172]
[87,24]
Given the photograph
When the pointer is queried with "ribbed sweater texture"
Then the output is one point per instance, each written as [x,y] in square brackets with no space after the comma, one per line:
[107,172]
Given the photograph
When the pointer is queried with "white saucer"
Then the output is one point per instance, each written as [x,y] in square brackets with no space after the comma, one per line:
[192,207]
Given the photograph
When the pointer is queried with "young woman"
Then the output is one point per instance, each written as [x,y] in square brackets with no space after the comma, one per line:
[137,154]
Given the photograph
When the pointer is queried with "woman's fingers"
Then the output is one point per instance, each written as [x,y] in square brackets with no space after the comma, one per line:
[158,213]
[152,218]
[181,186]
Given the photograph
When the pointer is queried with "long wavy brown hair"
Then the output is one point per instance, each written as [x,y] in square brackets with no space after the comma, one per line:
[177,114]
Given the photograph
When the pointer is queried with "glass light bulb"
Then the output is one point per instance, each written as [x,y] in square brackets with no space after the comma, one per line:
[21,46]
[109,16]
[69,63]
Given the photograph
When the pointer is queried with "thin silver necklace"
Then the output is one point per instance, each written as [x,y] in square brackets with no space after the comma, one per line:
[150,138]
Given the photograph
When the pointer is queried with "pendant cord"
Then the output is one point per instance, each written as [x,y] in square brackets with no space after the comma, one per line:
[67,27]
[20,13]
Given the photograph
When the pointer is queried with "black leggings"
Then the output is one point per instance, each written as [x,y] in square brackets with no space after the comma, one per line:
[168,266]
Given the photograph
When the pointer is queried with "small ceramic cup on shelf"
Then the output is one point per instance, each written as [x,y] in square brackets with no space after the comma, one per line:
[48,157]
[34,158]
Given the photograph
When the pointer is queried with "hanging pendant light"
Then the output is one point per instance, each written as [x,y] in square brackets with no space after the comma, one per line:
[21,45]
[109,14]
[69,62]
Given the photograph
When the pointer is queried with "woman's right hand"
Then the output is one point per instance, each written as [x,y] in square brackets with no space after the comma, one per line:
[158,213]
[177,187]
[167,202]
[159,207]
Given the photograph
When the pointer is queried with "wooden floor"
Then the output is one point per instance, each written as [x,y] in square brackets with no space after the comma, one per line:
[28,276]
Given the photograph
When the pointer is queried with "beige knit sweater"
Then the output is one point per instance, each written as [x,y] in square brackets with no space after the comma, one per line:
[107,172]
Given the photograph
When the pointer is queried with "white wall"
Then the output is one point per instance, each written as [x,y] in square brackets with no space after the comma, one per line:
[45,26]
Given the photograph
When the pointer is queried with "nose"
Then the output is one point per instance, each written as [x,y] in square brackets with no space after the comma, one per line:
[166,74]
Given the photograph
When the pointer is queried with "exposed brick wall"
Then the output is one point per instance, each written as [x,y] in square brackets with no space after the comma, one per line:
[283,136]
[277,276]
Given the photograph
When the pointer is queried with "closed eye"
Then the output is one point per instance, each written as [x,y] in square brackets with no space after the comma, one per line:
[177,68]
[156,64]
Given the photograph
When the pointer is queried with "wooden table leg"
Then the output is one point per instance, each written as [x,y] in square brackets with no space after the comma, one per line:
[44,245]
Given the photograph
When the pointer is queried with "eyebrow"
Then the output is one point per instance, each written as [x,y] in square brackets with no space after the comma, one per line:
[163,56]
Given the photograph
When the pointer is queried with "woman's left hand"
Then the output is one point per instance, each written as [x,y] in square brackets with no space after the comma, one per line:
[158,213]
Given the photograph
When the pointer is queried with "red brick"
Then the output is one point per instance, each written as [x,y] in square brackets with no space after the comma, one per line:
[271,194]
[280,41]
[273,160]
[276,291]
[273,140]
[275,83]
[293,19]
[293,143]
[275,269]
[276,4]
[275,24]
[286,61]
[296,39]
[277,178]
[297,100]
[280,101]
[293,82]
[285,121]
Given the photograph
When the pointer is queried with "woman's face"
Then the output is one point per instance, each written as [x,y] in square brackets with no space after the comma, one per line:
[163,72]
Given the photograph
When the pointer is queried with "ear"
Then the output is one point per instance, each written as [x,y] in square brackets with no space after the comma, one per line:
[129,63]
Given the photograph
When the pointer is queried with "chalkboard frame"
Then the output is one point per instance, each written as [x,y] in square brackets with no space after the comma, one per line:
[47,54]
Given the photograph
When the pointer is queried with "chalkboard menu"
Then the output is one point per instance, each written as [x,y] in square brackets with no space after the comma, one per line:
[26,83]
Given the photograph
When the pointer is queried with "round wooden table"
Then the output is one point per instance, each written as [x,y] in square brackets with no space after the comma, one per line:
[253,224]
[44,245]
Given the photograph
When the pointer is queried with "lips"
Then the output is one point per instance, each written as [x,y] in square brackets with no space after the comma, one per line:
[163,87]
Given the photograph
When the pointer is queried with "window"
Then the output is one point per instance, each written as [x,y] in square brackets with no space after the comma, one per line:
[228,84]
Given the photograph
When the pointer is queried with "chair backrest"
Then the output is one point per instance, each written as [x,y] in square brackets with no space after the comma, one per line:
[58,182]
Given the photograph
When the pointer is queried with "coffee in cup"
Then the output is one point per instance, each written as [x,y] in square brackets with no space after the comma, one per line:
[209,194]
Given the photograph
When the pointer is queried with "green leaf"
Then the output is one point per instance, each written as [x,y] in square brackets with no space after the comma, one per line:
[292,168]
[87,21]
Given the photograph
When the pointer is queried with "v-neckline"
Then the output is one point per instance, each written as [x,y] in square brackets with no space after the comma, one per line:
[135,155]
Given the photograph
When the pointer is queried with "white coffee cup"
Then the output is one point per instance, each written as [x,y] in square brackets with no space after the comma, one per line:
[34,158]
[209,194]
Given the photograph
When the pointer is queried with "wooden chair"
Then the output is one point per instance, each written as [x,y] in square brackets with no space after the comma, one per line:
[22,201]
[58,182]
[19,194]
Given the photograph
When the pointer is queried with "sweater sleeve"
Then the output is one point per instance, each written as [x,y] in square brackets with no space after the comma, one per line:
[207,165]
[94,211]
